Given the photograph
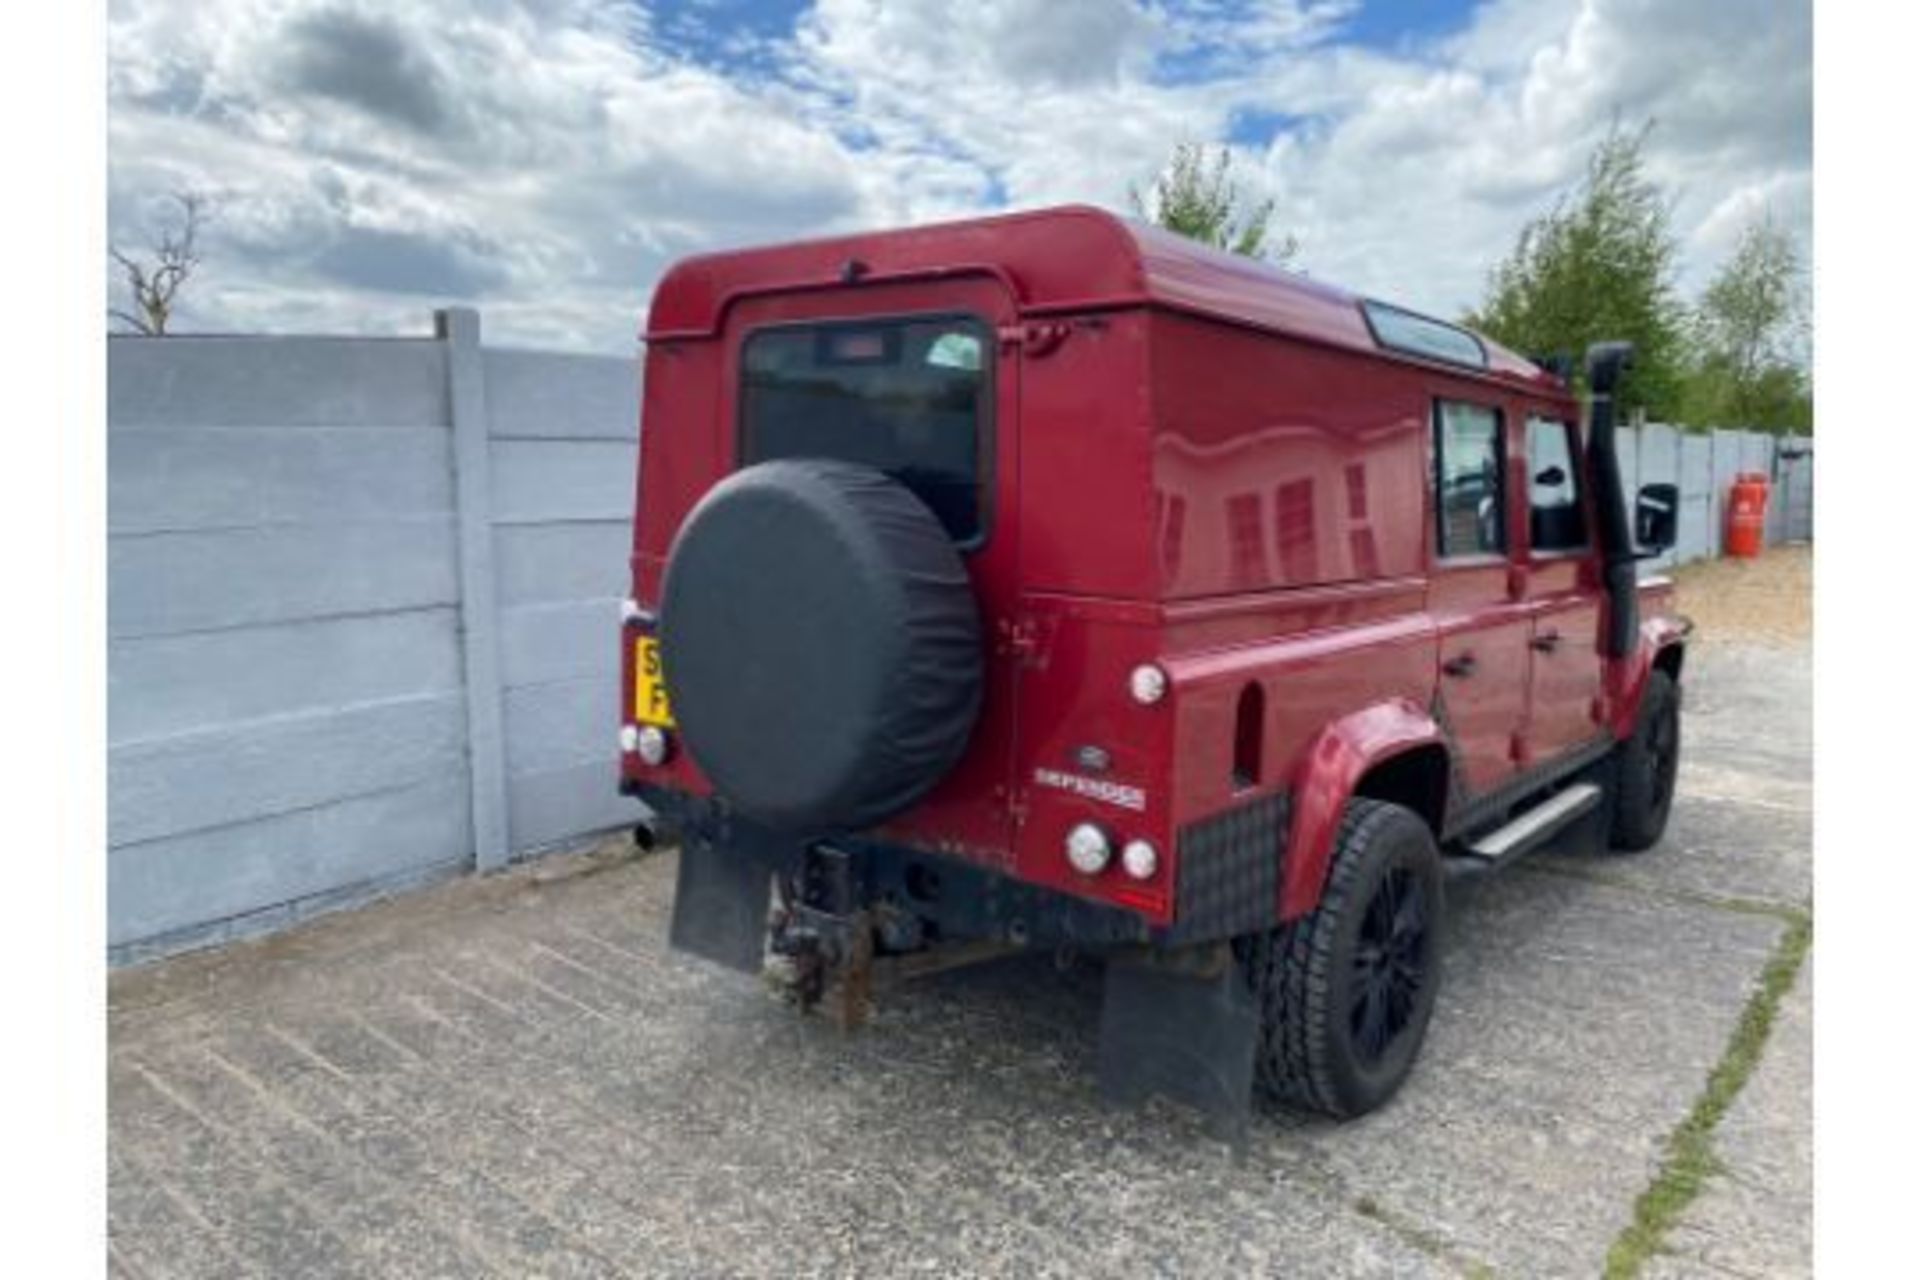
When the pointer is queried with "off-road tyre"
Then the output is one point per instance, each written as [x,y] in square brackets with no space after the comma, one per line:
[1303,973]
[1646,767]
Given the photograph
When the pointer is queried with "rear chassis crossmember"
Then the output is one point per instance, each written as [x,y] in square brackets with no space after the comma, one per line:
[853,915]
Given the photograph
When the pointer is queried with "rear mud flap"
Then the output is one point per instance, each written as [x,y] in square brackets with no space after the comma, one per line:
[1185,1032]
[720,906]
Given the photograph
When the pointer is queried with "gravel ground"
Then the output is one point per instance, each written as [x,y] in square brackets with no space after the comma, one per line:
[1766,601]
[514,1076]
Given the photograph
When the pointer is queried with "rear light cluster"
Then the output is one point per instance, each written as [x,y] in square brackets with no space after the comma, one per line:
[649,742]
[1090,851]
[1147,683]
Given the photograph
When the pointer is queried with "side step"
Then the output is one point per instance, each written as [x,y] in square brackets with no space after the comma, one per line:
[1530,830]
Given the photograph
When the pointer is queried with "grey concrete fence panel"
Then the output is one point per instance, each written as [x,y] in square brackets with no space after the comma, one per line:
[1795,458]
[1626,449]
[564,452]
[363,609]
[1696,540]
[1659,463]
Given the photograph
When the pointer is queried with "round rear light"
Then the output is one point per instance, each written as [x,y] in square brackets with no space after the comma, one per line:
[653,744]
[1139,859]
[629,739]
[1147,684]
[1088,849]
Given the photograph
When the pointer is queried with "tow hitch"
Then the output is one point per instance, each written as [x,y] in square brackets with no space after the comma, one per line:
[842,948]
[830,955]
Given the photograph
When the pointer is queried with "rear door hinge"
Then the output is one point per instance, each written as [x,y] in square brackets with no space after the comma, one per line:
[1022,641]
[1017,807]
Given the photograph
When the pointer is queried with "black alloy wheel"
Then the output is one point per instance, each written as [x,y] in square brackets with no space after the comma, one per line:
[1390,965]
[1346,991]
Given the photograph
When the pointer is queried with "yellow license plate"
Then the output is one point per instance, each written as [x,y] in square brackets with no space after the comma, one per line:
[650,705]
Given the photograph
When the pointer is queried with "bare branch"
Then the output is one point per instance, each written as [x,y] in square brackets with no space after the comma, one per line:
[133,322]
[155,284]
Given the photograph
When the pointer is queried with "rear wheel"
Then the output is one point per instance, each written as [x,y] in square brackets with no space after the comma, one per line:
[1346,992]
[1648,763]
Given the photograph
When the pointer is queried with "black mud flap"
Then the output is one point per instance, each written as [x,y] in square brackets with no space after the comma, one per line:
[1187,1031]
[720,905]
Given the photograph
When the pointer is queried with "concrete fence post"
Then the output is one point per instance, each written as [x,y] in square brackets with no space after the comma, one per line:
[459,329]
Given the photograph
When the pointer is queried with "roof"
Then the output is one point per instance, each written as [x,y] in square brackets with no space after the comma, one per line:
[1067,259]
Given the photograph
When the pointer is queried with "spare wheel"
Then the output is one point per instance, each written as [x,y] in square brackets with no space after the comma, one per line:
[820,643]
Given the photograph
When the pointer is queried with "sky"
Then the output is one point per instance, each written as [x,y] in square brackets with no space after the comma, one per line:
[545,160]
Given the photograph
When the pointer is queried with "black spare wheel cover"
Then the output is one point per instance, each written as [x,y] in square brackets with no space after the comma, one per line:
[820,644]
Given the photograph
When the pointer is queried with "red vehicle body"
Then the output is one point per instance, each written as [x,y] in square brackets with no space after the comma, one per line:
[1204,466]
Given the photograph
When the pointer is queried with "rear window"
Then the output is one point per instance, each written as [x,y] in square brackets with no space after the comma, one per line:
[908,397]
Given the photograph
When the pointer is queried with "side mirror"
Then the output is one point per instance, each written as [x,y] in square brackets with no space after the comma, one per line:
[1656,516]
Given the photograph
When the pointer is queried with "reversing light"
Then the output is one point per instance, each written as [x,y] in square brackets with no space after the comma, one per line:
[1139,859]
[1147,684]
[1088,849]
[629,739]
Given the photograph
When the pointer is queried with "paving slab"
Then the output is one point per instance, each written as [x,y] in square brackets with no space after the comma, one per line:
[514,1076]
[1754,1219]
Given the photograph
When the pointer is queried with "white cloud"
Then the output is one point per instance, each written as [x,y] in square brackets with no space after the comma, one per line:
[545,159]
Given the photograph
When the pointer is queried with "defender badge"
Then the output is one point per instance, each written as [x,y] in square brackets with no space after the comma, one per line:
[1114,793]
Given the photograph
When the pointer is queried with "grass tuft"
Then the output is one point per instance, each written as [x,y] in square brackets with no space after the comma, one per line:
[1690,1160]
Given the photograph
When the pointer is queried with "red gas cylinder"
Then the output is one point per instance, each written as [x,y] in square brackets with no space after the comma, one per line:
[1747,514]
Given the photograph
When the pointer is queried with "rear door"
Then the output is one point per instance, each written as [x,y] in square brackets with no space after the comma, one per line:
[1483,628]
[910,378]
[1563,594]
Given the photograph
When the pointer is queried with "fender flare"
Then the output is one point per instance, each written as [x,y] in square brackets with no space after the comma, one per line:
[1657,634]
[1337,759]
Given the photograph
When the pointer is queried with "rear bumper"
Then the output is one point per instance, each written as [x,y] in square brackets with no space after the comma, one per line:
[1176,1016]
[959,900]
[1228,873]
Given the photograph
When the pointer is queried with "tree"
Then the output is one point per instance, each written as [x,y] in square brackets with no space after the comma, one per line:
[1745,338]
[1200,200]
[1598,266]
[154,281]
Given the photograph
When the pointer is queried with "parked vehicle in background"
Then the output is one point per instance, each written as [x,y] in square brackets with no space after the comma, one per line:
[1048,581]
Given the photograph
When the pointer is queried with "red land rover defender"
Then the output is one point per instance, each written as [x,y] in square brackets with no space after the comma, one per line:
[1051,581]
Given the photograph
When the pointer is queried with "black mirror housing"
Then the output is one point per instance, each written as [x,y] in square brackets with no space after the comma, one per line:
[1656,516]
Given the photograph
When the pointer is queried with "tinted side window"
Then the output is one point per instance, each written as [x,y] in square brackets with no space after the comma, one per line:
[1553,486]
[1470,495]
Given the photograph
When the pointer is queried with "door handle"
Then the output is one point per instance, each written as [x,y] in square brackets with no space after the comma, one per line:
[1461,665]
[1546,643]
